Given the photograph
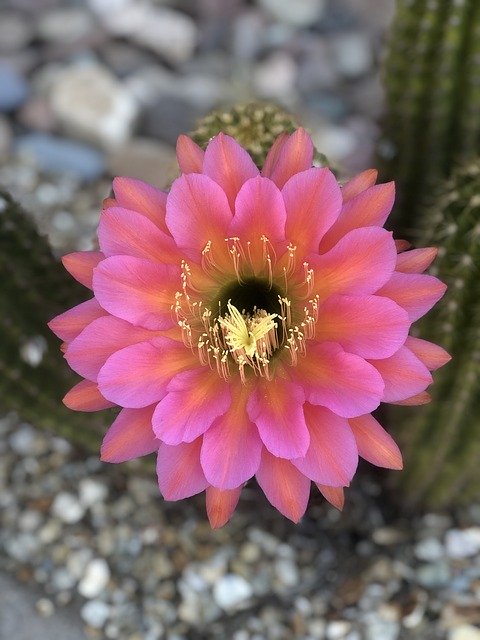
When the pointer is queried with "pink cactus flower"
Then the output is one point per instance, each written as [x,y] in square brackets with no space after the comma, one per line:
[247,323]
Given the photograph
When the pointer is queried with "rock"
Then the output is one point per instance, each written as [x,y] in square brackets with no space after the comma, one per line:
[92,104]
[33,350]
[65,24]
[462,543]
[95,613]
[337,629]
[434,576]
[22,440]
[231,591]
[464,632]
[95,580]
[301,13]
[14,88]
[91,491]
[37,114]
[352,54]
[337,143]
[287,572]
[15,32]
[45,607]
[61,156]
[247,37]
[429,549]
[169,116]
[275,77]
[5,138]
[67,508]
[145,159]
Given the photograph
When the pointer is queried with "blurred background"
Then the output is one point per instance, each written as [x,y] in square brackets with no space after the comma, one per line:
[96,88]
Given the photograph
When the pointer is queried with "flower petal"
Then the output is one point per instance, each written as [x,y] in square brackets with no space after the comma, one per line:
[368,208]
[231,447]
[361,262]
[374,443]
[313,201]
[274,153]
[85,396]
[197,212]
[179,471]
[137,290]
[416,260]
[404,375]
[276,409]
[138,375]
[89,351]
[359,183]
[124,232]
[293,155]
[343,382]
[189,155]
[71,323]
[130,436]
[369,326]
[332,456]
[334,495]
[420,398]
[229,165]
[432,356]
[80,265]
[285,487]
[417,293]
[140,196]
[194,400]
[221,504]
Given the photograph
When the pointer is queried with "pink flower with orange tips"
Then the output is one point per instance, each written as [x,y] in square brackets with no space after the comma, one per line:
[247,323]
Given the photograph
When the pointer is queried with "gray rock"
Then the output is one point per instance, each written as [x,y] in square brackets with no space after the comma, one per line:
[435,575]
[97,575]
[61,156]
[352,54]
[95,613]
[5,138]
[91,491]
[14,88]
[92,104]
[429,549]
[145,159]
[65,24]
[464,632]
[275,77]
[15,32]
[231,591]
[301,13]
[169,116]
[67,508]
[462,543]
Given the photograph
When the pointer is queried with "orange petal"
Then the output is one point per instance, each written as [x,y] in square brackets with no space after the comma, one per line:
[432,356]
[81,264]
[85,396]
[374,443]
[420,398]
[416,260]
[359,183]
[189,155]
[334,495]
[221,504]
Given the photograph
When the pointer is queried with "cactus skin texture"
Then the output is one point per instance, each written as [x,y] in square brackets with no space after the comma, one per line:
[441,440]
[432,83]
[34,288]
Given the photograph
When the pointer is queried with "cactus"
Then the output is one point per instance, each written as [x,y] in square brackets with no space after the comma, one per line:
[34,288]
[441,440]
[432,83]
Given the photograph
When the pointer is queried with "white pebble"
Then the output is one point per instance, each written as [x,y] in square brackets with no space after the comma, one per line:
[66,507]
[462,543]
[95,579]
[91,491]
[95,613]
[231,590]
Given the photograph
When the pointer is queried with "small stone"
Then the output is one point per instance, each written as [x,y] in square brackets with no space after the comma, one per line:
[337,629]
[65,24]
[336,143]
[462,543]
[95,613]
[5,138]
[352,54]
[301,13]
[144,159]
[287,572]
[61,156]
[15,88]
[435,575]
[96,578]
[22,440]
[45,607]
[33,350]
[91,491]
[429,549]
[275,77]
[231,591]
[67,508]
[15,32]
[92,104]
[464,632]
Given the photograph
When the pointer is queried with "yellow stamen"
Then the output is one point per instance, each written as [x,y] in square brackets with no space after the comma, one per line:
[243,332]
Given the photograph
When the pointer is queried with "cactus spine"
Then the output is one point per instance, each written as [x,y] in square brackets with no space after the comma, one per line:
[432,82]
[441,441]
[34,288]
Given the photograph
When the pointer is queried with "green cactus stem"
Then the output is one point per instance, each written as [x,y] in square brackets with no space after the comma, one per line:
[441,440]
[35,287]
[432,83]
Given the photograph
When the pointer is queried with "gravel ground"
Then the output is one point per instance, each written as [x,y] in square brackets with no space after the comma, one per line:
[101,87]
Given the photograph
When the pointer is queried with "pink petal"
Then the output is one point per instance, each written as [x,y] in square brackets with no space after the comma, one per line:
[130,436]
[137,290]
[402,245]
[194,400]
[404,375]
[231,448]
[361,262]
[369,326]
[285,487]
[221,504]
[197,212]
[229,165]
[69,324]
[89,351]
[416,260]
[359,183]
[343,382]
[124,232]
[374,443]
[274,153]
[85,396]
[413,401]
[179,471]
[332,456]
[417,293]
[80,265]
[432,356]
[292,156]
[140,196]
[334,495]
[313,201]
[138,375]
[369,208]
[276,408]
[189,155]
